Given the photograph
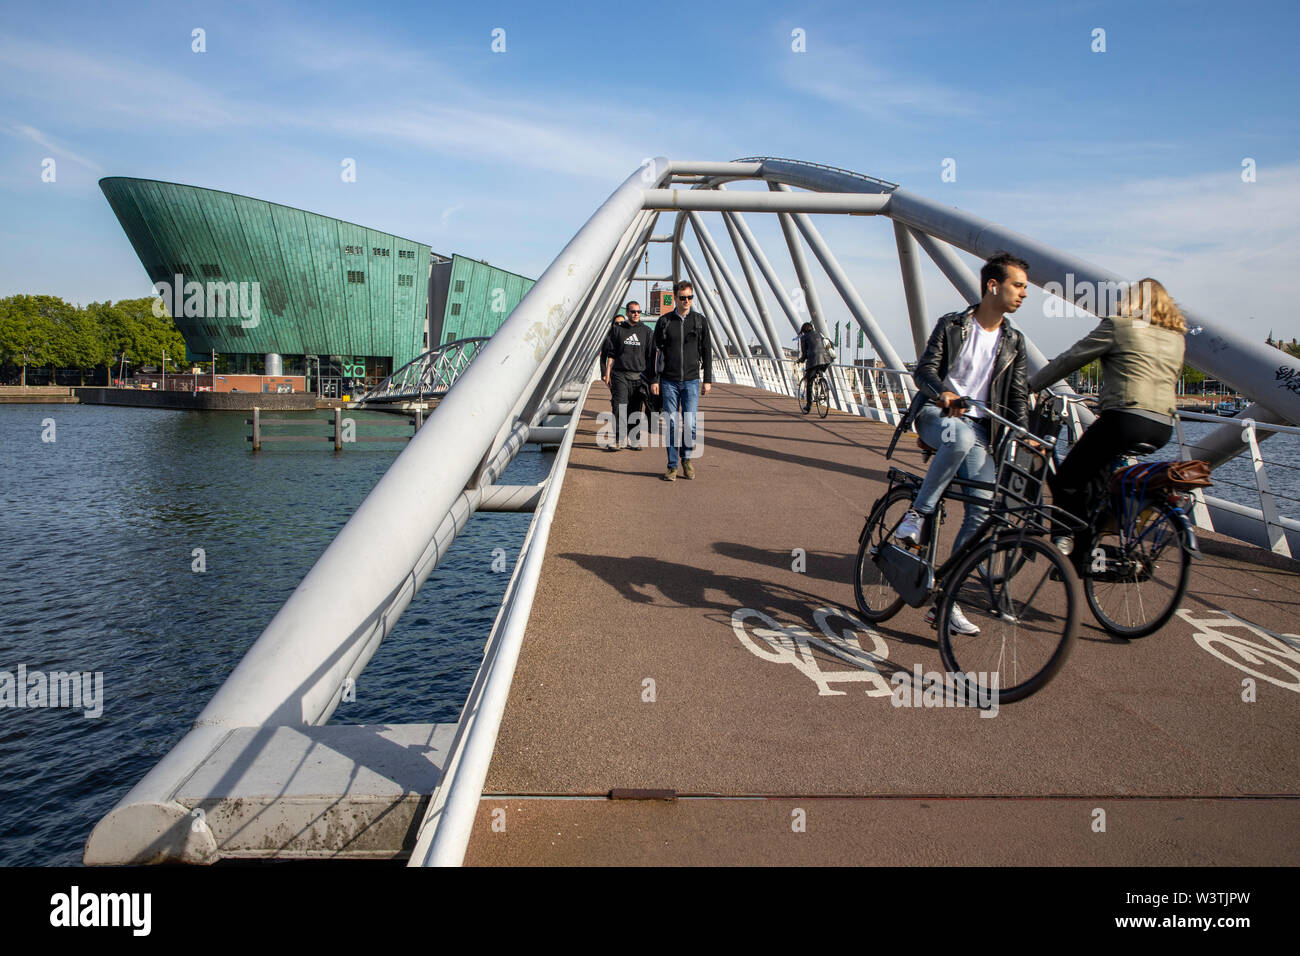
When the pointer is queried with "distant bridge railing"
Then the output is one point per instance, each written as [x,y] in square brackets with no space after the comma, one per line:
[428,375]
[883,394]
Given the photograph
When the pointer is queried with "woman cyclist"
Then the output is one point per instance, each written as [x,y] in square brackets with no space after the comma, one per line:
[1141,353]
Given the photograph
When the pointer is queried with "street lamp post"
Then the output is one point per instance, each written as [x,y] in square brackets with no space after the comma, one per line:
[163,386]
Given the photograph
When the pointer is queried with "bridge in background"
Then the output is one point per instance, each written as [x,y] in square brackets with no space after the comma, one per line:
[241,784]
[427,376]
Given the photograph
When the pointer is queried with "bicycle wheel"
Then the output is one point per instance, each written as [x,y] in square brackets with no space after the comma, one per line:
[822,396]
[877,599]
[1135,579]
[1027,611]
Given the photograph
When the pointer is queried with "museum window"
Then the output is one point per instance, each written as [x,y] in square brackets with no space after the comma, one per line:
[356,276]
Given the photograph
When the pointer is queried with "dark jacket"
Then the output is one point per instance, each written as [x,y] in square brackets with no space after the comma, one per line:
[1008,388]
[813,350]
[629,346]
[685,345]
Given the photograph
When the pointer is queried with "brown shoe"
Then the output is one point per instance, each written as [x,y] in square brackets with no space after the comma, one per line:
[670,474]
[688,469]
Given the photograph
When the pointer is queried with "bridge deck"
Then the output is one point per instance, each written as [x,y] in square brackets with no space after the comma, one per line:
[641,582]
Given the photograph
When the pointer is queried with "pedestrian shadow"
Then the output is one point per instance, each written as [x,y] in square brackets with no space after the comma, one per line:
[821,565]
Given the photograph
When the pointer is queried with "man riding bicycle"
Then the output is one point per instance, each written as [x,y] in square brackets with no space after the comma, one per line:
[978,353]
[815,356]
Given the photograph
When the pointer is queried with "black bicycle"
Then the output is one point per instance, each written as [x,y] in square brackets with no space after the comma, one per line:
[1012,583]
[1136,554]
[821,396]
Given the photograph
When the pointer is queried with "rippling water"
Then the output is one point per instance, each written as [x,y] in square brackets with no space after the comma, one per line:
[1235,480]
[99,529]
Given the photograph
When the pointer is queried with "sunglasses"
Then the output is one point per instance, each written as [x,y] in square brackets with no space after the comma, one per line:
[686,298]
[633,311]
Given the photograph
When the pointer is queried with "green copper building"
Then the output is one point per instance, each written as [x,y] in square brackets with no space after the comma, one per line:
[279,290]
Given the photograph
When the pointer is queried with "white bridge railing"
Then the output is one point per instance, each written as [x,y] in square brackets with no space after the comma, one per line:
[883,394]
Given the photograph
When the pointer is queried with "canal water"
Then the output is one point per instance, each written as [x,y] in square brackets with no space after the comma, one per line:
[1235,480]
[103,529]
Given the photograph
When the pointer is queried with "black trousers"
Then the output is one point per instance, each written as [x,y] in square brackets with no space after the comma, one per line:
[628,393]
[808,379]
[1082,478]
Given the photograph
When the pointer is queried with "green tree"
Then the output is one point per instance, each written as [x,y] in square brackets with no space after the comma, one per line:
[31,332]
[1192,376]
[129,326]
[44,330]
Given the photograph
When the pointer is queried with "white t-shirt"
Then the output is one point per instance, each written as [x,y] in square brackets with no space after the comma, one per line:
[972,371]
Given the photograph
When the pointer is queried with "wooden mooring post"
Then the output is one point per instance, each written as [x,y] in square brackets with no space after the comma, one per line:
[341,435]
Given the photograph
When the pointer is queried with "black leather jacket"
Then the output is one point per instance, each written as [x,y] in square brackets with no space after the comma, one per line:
[1008,388]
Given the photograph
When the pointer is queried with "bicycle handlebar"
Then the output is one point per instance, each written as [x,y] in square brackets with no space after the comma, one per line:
[1023,432]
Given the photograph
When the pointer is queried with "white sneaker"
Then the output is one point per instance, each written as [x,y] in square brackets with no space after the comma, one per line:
[909,529]
[956,620]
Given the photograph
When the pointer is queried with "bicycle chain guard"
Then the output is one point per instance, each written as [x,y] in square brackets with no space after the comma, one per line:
[909,574]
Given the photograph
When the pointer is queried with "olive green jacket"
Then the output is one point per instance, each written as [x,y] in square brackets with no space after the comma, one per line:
[1140,364]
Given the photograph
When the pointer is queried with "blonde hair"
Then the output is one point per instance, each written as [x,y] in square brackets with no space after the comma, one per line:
[1148,299]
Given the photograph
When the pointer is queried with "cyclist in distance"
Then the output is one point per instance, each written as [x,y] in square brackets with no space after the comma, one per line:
[979,353]
[1141,353]
[814,354]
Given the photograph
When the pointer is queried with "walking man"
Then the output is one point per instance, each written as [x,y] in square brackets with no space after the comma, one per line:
[626,353]
[682,338]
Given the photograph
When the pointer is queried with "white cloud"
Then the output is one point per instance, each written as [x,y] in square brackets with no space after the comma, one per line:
[850,80]
[447,214]
[1228,250]
[62,152]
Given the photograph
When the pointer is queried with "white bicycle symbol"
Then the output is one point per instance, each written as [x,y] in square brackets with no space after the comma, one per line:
[792,644]
[1280,651]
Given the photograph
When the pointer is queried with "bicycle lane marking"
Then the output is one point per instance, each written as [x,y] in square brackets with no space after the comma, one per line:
[1257,646]
[792,644]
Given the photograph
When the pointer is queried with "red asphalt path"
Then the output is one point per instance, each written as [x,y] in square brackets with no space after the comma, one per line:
[638,670]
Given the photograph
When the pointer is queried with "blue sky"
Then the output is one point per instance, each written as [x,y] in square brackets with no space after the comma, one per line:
[1129,158]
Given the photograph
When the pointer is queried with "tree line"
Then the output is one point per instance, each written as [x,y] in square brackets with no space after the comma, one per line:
[44,331]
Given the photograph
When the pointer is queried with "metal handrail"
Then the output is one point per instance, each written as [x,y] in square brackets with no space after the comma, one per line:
[328,629]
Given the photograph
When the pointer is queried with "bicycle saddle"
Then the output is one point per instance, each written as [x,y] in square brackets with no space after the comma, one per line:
[1142,448]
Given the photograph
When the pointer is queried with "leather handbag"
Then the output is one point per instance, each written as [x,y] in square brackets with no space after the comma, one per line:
[1157,475]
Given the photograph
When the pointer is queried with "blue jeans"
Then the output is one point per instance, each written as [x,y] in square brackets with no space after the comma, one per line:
[965,454]
[686,396]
